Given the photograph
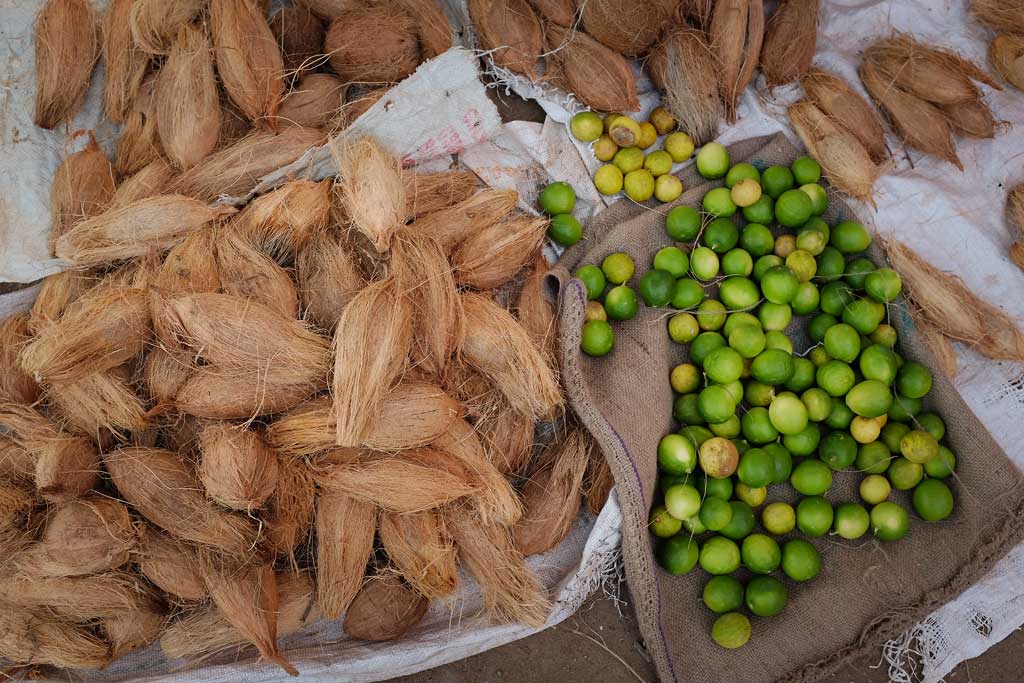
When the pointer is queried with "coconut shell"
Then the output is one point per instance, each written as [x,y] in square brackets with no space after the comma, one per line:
[419,547]
[427,192]
[790,41]
[845,161]
[847,109]
[327,279]
[929,73]
[66,46]
[99,403]
[33,638]
[126,64]
[431,25]
[685,67]
[135,628]
[345,529]
[57,292]
[187,102]
[248,58]
[625,26]
[300,37]
[155,23]
[281,222]
[289,510]
[971,119]
[1006,55]
[511,31]
[149,181]
[599,76]
[162,488]
[82,187]
[313,102]
[171,565]
[561,12]
[249,274]
[238,469]
[15,384]
[139,143]
[384,609]
[1001,15]
[536,313]
[453,225]
[391,55]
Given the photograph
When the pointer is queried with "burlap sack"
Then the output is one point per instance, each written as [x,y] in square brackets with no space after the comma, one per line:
[867,591]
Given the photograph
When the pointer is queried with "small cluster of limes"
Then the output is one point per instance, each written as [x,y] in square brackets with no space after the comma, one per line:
[621,141]
[558,200]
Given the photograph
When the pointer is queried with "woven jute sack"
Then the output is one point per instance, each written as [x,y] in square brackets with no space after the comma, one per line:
[867,591]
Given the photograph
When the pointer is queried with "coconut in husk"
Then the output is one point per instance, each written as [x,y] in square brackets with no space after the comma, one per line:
[155,23]
[300,37]
[281,222]
[227,392]
[249,274]
[494,254]
[789,41]
[511,32]
[167,492]
[507,436]
[685,67]
[1016,254]
[164,372]
[624,26]
[510,590]
[372,191]
[847,109]
[67,47]
[432,26]
[696,12]
[919,124]
[735,34]
[329,9]
[599,76]
[103,402]
[17,514]
[385,608]
[16,385]
[35,637]
[78,598]
[536,313]
[427,192]
[598,482]
[248,58]
[313,102]
[1001,15]
[148,181]
[191,266]
[971,119]
[238,469]
[358,101]
[247,597]
[134,628]
[82,187]
[139,143]
[126,64]
[1006,55]
[17,464]
[373,44]
[452,225]
[1015,212]
[419,547]
[171,565]
[327,279]
[845,161]
[289,510]
[936,342]
[345,528]
[57,292]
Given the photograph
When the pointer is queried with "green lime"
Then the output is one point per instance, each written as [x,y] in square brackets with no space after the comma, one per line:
[891,435]
[667,481]
[782,462]
[804,442]
[904,474]
[811,477]
[629,159]
[676,455]
[713,160]
[723,594]
[765,263]
[685,378]
[752,496]
[739,319]
[803,375]
[933,424]
[704,263]
[857,271]
[919,446]
[703,344]
[741,171]
[913,380]
[841,416]
[737,262]
[904,408]
[761,554]
[586,126]
[683,328]
[778,518]
[738,293]
[775,180]
[718,202]
[715,514]
[557,198]
[682,501]
[658,162]
[812,239]
[761,212]
[788,414]
[598,338]
[779,285]
[838,450]
[716,404]
[819,326]
[941,466]
[723,365]
[688,293]
[872,458]
[679,554]
[757,239]
[806,299]
[851,521]
[802,264]
[639,185]
[757,426]
[759,394]
[711,314]
[880,363]
[874,488]
[565,230]
[818,355]
[742,445]
[793,208]
[714,487]
[805,170]
[772,366]
[835,377]
[593,281]
[889,522]
[800,560]
[731,630]
[683,223]
[696,434]
[657,287]
[748,340]
[662,523]
[679,145]
[672,260]
[885,335]
[719,555]
[883,285]
[618,268]
[869,398]
[755,468]
[814,516]
[693,526]
[842,342]
[818,402]
[831,264]
[819,198]
[835,296]
[721,234]
[766,595]
[775,316]
[742,522]
[933,501]
[685,409]
[850,237]
[620,303]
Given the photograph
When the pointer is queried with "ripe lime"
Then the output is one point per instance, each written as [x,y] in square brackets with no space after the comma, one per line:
[704,263]
[662,120]
[620,303]
[605,149]
[818,402]
[752,496]
[586,126]
[667,188]
[683,328]
[802,263]
[679,145]
[719,555]
[885,335]
[918,446]
[557,198]
[685,378]
[662,524]
[745,192]
[598,338]
[639,185]
[761,554]
[889,522]
[723,594]
[594,310]
[618,268]
[658,163]
[682,501]
[852,521]
[718,457]
[608,180]
[731,630]
[874,489]
[811,477]
[800,560]
[711,314]
[778,518]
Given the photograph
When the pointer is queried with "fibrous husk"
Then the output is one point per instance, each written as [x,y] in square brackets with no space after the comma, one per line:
[36,637]
[452,225]
[1017,254]
[134,628]
[329,9]
[384,609]
[66,46]
[247,597]
[944,301]
[511,31]
[561,12]
[358,102]
[846,162]
[345,528]
[920,124]
[847,109]
[167,492]
[327,279]
[371,349]
[501,349]
[225,392]
[191,266]
[171,565]
[735,35]
[624,26]
[236,169]
[685,67]
[937,343]
[78,598]
[972,119]
[1001,15]
[248,59]
[102,402]
[205,630]
[789,42]
[139,143]
[187,102]
[599,76]
[494,254]
[126,63]
[1015,212]
[510,590]
[238,469]
[409,481]
[164,372]
[372,191]
[313,102]
[421,550]
[300,37]
[373,44]
[17,463]
[431,26]
[427,192]
[698,12]
[507,437]
[17,505]
[598,483]
[15,384]
[155,23]
[1006,55]
[105,327]
[148,181]
[250,275]
[58,291]
[289,510]
[82,188]
[551,497]
[281,222]
[536,313]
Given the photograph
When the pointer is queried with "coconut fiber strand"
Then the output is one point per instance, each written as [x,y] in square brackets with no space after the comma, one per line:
[865,595]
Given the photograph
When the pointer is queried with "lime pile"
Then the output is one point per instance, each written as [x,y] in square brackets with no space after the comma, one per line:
[558,200]
[755,412]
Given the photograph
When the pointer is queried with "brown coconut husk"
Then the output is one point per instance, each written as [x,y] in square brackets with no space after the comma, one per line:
[536,313]
[205,631]
[511,31]
[77,598]
[598,483]
[126,64]
[67,46]
[248,58]
[510,590]
[384,609]
[1015,212]
[329,9]
[847,109]
[698,12]
[164,372]
[561,12]
[735,34]
[58,291]
[238,469]
[36,637]
[453,225]
[790,41]
[501,349]
[421,550]
[281,222]
[507,437]
[236,169]
[82,188]
[191,266]
[16,385]
[155,23]
[919,124]
[971,119]
[187,102]
[935,341]
[134,628]
[392,54]
[365,372]
[250,275]
[171,565]
[300,37]
[846,162]
[1016,254]
[432,26]
[494,254]
[372,191]
[599,76]
[289,510]
[313,102]
[1006,55]
[954,310]
[105,327]
[233,123]
[222,392]
[625,26]
[685,67]
[103,402]
[148,181]
[166,491]
[359,101]
[551,497]
[929,73]
[17,507]
[327,279]
[17,464]
[1001,15]
[427,192]
[345,528]
[139,143]
[247,597]
[179,433]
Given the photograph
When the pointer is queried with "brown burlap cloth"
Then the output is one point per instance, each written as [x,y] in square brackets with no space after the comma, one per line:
[867,591]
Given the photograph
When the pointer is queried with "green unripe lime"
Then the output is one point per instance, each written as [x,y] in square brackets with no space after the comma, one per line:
[835,296]
[716,404]
[761,554]
[841,416]
[835,377]
[919,446]
[778,518]
[620,303]
[723,594]
[748,340]
[869,398]
[679,554]
[819,326]
[800,560]
[757,427]
[818,197]
[737,262]
[850,237]
[831,265]
[933,501]
[772,366]
[738,293]
[788,414]
[857,271]
[889,522]
[775,316]
[557,198]
[811,478]
[657,287]
[805,170]
[720,235]
[704,263]
[741,171]
[711,314]
[758,394]
[719,555]
[593,281]
[718,202]
[598,338]
[683,223]
[757,239]
[782,462]
[755,468]
[874,489]
[672,260]
[942,465]
[933,424]
[880,363]
[842,342]
[806,300]
[838,450]
[775,180]
[696,434]
[703,344]
[731,630]
[883,285]
[819,356]
[892,433]
[618,268]
[683,328]
[814,516]
[715,514]
[682,501]
[864,315]
[723,365]
[904,474]
[872,458]
[685,409]
[851,521]
[779,285]
[804,442]
[565,230]
[904,408]
[776,339]
[713,160]
[713,487]
[762,211]
[818,402]
[742,522]
[913,380]
[803,375]
[765,263]
[885,335]
[688,293]
[662,524]
[676,455]
[793,208]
